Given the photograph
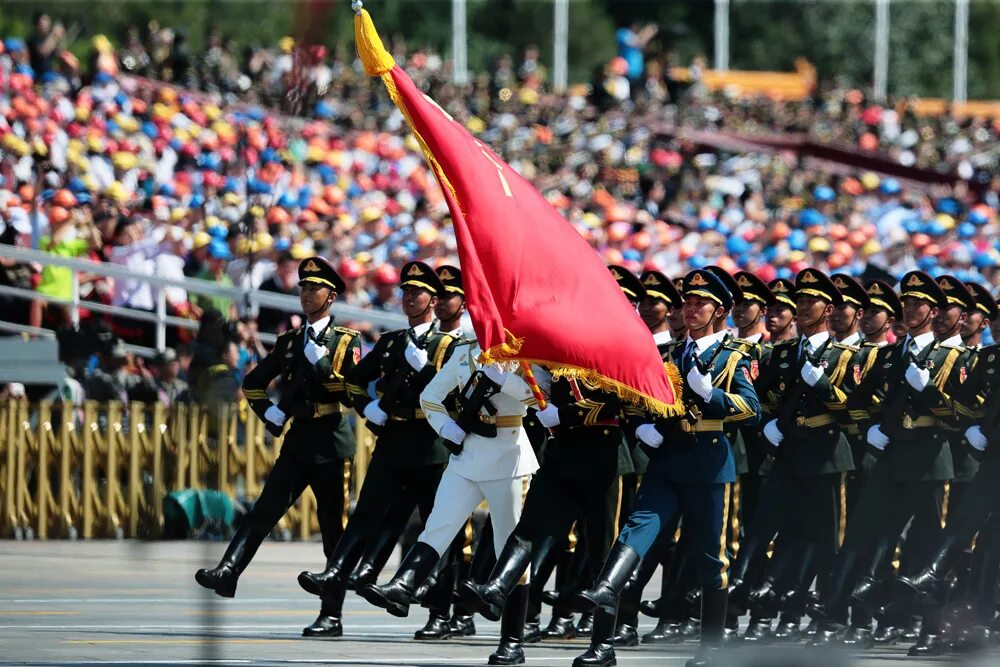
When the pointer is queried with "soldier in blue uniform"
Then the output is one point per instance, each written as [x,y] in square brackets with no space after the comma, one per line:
[694,471]
[311,362]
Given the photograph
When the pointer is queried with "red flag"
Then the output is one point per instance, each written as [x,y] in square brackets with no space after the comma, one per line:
[536,291]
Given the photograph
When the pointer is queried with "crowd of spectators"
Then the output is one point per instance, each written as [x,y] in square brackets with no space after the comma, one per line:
[194,168]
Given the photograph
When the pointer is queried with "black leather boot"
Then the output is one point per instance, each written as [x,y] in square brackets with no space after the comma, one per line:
[585,625]
[333,580]
[833,606]
[396,596]
[758,631]
[560,627]
[438,626]
[713,622]
[377,552]
[462,625]
[489,598]
[982,586]
[664,632]
[859,636]
[325,625]
[601,652]
[618,568]
[223,578]
[929,583]
[510,650]
[928,646]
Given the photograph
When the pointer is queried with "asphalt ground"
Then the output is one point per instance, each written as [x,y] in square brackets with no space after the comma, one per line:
[136,603]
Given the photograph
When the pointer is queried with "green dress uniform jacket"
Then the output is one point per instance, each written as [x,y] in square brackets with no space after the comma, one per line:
[814,443]
[381,365]
[914,422]
[317,404]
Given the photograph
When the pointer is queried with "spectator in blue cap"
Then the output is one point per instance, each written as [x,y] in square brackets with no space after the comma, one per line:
[215,271]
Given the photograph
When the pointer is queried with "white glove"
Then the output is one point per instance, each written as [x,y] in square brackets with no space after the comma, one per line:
[549,416]
[811,374]
[415,357]
[494,373]
[649,435]
[452,432]
[700,384]
[375,414]
[917,377]
[773,433]
[315,352]
[975,436]
[876,438]
[274,415]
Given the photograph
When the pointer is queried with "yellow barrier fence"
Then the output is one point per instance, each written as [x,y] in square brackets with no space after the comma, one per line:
[104,470]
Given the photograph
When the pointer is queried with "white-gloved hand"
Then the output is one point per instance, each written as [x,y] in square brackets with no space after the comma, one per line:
[773,433]
[274,415]
[811,374]
[415,357]
[974,434]
[452,432]
[375,414]
[494,373]
[649,435]
[699,383]
[549,417]
[315,352]
[876,438]
[917,377]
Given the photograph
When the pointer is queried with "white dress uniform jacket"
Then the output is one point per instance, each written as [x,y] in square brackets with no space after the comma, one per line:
[482,459]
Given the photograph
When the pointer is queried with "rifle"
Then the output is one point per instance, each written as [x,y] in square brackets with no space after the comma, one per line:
[473,398]
[786,417]
[401,374]
[290,390]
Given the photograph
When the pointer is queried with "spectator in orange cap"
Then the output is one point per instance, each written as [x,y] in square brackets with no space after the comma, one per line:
[386,297]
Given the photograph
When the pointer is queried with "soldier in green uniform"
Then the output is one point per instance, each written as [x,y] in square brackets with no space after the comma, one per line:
[694,471]
[436,592]
[900,404]
[801,496]
[409,457]
[311,363]
[780,317]
[978,511]
[882,309]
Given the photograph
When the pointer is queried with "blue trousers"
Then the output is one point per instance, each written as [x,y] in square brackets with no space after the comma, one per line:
[705,510]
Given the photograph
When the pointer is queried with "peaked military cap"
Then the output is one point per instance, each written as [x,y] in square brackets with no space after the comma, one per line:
[627,281]
[813,282]
[850,289]
[984,301]
[753,288]
[704,283]
[451,277]
[919,285]
[782,291]
[956,292]
[318,270]
[659,286]
[882,295]
[418,274]
[727,280]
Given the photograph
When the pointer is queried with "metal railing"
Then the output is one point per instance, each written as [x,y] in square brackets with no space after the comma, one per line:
[104,469]
[254,298]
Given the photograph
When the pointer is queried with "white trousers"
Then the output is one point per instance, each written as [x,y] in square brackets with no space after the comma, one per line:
[457,497]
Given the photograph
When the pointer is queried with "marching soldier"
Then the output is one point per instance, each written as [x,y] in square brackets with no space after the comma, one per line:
[659,300]
[780,318]
[978,511]
[491,460]
[694,472]
[409,457]
[846,318]
[311,362]
[436,592]
[802,494]
[900,404]
[580,466]
[978,317]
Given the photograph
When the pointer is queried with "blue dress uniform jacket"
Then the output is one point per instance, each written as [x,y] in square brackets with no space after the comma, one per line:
[693,470]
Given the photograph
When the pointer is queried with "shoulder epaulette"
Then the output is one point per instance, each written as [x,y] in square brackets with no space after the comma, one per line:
[346,331]
[960,348]
[735,345]
[290,332]
[743,343]
[843,346]
[868,343]
[788,341]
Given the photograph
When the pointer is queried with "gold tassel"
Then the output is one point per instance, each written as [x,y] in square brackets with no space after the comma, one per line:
[376,59]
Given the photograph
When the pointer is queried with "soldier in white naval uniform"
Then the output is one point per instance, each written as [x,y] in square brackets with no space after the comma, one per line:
[493,469]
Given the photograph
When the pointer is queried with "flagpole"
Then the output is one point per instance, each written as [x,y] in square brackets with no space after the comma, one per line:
[529,377]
